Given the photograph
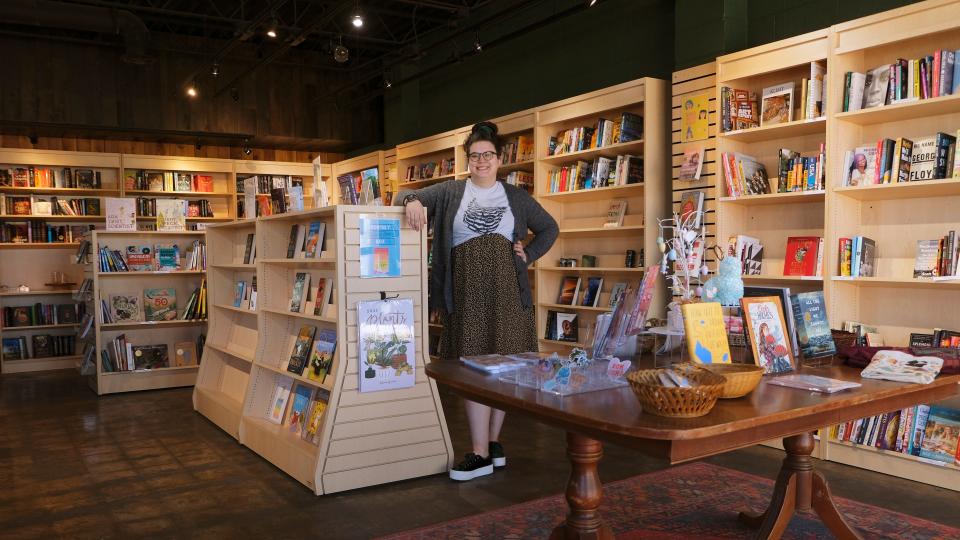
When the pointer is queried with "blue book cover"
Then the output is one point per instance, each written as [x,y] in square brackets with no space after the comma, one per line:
[813,330]
[379,247]
[941,434]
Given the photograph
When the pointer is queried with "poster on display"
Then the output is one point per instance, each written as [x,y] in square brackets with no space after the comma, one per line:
[387,349]
[694,117]
[379,247]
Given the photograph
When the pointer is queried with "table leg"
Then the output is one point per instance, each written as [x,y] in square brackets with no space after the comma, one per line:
[798,487]
[584,492]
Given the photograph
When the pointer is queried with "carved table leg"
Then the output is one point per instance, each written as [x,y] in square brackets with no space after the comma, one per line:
[584,492]
[798,487]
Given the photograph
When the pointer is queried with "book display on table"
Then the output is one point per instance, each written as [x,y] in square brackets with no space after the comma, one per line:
[149,293]
[284,377]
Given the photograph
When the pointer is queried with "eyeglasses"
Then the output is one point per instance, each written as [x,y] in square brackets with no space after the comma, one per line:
[476,157]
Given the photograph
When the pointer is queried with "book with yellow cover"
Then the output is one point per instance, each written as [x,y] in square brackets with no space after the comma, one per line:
[706,333]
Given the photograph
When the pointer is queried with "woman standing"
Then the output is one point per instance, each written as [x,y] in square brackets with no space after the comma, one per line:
[479,279]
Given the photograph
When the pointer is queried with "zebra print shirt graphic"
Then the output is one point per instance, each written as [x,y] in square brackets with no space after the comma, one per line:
[483,219]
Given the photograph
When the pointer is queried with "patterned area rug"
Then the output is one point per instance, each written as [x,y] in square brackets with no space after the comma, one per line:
[698,500]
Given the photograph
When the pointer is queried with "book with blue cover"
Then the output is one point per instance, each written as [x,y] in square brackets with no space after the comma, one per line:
[813,329]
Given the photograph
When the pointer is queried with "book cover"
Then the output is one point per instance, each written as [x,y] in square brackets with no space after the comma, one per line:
[160,304]
[615,213]
[813,328]
[694,120]
[901,160]
[877,81]
[776,106]
[312,243]
[868,258]
[204,182]
[154,181]
[750,252]
[569,288]
[592,293]
[12,349]
[692,164]
[567,327]
[248,250]
[66,313]
[121,213]
[923,159]
[296,238]
[299,408]
[125,307]
[239,293]
[315,421]
[278,403]
[140,258]
[150,356]
[171,214]
[183,182]
[322,297]
[862,168]
[691,208]
[767,330]
[301,350]
[706,333]
[801,256]
[941,435]
[185,353]
[321,358]
[301,284]
[754,175]
[42,345]
[379,247]
[616,293]
[167,257]
[387,345]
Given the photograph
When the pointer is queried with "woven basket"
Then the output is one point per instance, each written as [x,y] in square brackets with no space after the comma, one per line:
[677,402]
[741,378]
[843,339]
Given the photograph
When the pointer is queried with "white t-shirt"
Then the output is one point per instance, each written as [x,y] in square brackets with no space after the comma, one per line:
[483,211]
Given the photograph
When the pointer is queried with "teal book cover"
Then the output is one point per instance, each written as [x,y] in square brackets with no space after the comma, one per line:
[813,329]
[379,247]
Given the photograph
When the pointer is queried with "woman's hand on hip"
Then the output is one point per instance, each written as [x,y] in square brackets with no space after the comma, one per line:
[518,249]
[416,214]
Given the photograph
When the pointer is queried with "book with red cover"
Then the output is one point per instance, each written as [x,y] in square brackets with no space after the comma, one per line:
[203,182]
[801,256]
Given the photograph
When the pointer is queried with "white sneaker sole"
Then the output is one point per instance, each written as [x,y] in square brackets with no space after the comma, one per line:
[499,462]
[462,476]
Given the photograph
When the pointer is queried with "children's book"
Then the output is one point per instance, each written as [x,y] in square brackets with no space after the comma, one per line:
[121,213]
[140,258]
[801,256]
[185,353]
[171,214]
[125,307]
[941,435]
[706,333]
[278,404]
[321,358]
[160,304]
[567,327]
[167,257]
[767,330]
[239,292]
[299,408]
[691,206]
[315,421]
[776,106]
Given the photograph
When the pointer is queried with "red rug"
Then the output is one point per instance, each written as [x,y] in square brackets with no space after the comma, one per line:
[698,500]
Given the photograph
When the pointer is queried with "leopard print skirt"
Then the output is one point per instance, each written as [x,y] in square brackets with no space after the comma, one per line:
[488,317]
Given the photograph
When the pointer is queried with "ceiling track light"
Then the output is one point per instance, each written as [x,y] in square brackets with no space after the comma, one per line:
[246,147]
[387,83]
[477,46]
[272,27]
[340,53]
[192,90]
[591,3]
[215,70]
[357,20]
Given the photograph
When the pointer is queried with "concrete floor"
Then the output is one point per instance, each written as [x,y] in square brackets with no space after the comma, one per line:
[146,465]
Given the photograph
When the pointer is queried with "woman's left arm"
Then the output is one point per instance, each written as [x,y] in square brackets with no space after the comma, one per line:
[544,227]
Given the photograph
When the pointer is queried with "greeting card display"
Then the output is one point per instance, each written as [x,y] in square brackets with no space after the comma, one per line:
[387,349]
[379,247]
[767,328]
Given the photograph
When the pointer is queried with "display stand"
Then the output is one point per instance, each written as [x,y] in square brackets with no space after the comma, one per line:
[367,438]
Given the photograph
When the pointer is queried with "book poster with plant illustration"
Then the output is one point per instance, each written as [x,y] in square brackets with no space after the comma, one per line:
[387,349]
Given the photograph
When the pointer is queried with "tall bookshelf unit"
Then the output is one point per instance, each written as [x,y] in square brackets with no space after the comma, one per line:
[247,168]
[222,199]
[367,438]
[895,215]
[15,299]
[143,332]
[581,213]
[376,159]
[434,149]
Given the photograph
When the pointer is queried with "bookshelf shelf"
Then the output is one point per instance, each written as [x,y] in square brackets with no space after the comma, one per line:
[37,327]
[143,325]
[899,282]
[240,266]
[796,128]
[175,194]
[782,279]
[419,183]
[40,364]
[624,230]
[306,316]
[559,343]
[595,194]
[142,273]
[39,245]
[611,150]
[598,309]
[948,187]
[53,218]
[300,262]
[40,292]
[236,353]
[776,198]
[326,384]
[897,112]
[155,370]
[906,466]
[242,311]
[526,165]
[104,234]
[58,191]
[591,269]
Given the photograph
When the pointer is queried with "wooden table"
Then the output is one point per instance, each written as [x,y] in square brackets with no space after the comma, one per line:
[766,413]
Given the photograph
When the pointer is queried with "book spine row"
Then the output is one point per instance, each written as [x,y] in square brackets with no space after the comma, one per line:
[38,232]
[41,314]
[42,346]
[42,177]
[602,172]
[904,431]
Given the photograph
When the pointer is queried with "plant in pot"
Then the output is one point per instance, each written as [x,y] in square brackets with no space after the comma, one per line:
[375,353]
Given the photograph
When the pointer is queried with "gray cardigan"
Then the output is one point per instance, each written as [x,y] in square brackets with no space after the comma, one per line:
[442,202]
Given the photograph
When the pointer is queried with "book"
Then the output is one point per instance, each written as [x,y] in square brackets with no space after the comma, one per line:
[125,307]
[185,353]
[691,208]
[801,256]
[321,357]
[854,88]
[301,287]
[813,328]
[768,333]
[160,304]
[66,314]
[12,349]
[278,403]
[311,433]
[616,293]
[813,383]
[299,408]
[592,293]
[692,164]
[296,240]
[301,350]
[322,296]
[776,104]
[249,250]
[149,356]
[313,245]
[167,257]
[239,293]
[569,290]
[567,327]
[140,258]
[902,152]
[923,159]
[941,435]
[866,265]
[171,214]
[121,213]
[706,333]
[615,213]
[862,168]
[492,363]
[749,251]
[876,85]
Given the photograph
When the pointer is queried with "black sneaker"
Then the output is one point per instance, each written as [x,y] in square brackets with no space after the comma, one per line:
[471,467]
[496,455]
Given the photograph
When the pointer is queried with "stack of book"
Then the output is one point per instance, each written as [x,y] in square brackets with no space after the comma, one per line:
[892,161]
[938,258]
[517,149]
[142,180]
[629,127]
[46,177]
[602,172]
[858,256]
[39,232]
[738,109]
[744,175]
[801,173]
[41,314]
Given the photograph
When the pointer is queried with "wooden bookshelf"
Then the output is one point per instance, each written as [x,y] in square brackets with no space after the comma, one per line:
[434,149]
[246,357]
[581,214]
[25,299]
[142,332]
[376,160]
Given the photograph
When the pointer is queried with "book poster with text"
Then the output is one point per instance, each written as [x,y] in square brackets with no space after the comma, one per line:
[387,348]
[694,117]
[121,213]
[379,247]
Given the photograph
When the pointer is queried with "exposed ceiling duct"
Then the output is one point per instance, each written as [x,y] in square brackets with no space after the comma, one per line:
[48,14]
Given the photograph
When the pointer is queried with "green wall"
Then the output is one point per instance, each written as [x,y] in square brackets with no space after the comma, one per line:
[612,42]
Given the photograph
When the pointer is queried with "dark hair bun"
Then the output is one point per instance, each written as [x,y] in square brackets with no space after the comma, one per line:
[487,128]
